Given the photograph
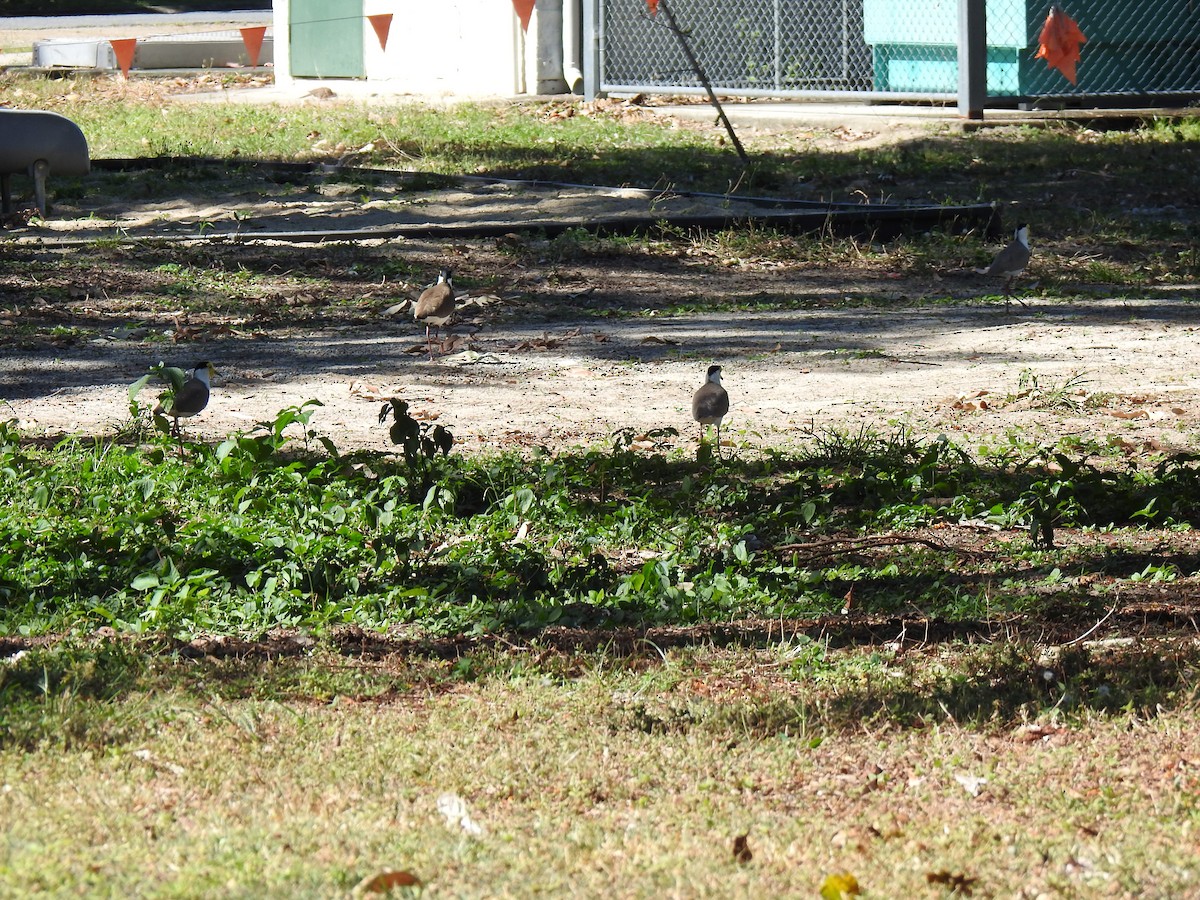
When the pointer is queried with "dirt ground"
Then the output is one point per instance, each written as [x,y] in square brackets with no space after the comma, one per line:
[558,349]
[555,371]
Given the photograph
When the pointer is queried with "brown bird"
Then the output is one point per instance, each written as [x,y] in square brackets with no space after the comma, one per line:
[710,403]
[191,398]
[1011,261]
[435,306]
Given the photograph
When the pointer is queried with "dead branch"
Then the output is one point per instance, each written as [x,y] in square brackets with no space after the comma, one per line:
[828,546]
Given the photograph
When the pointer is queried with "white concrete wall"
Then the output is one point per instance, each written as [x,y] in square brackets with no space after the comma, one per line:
[437,47]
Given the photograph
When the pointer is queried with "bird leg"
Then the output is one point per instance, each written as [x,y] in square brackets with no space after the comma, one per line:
[719,456]
[1008,294]
[703,429]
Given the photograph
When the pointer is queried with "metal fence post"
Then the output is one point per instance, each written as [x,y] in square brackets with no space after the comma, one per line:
[590,51]
[972,58]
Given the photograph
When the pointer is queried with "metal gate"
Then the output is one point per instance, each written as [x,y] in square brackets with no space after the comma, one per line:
[890,49]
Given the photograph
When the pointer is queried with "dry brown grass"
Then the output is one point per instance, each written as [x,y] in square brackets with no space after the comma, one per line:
[627,780]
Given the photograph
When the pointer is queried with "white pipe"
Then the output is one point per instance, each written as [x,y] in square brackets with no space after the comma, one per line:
[572,32]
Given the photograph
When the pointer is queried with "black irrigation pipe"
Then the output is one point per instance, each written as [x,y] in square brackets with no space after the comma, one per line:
[881,220]
[326,169]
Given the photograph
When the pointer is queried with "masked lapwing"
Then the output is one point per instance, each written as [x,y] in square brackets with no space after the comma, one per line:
[1011,262]
[191,398]
[435,306]
[710,403]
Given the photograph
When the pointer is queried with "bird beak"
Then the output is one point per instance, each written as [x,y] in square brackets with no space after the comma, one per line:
[212,372]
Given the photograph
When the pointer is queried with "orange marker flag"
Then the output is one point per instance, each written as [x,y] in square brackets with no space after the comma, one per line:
[653,5]
[1060,42]
[123,49]
[524,9]
[252,37]
[382,23]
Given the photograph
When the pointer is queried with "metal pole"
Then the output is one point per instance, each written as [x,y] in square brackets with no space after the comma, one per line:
[778,54]
[972,58]
[712,97]
[591,49]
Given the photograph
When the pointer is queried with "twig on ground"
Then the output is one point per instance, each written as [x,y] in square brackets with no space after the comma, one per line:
[1108,615]
[829,545]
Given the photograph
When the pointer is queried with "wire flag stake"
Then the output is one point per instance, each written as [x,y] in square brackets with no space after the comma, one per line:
[695,63]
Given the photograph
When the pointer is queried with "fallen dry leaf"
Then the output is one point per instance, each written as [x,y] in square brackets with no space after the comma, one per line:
[1035,731]
[546,341]
[382,882]
[839,886]
[956,881]
[1129,414]
[741,849]
[368,391]
[972,784]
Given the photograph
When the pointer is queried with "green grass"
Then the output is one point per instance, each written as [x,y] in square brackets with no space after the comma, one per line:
[619,661]
[259,533]
[134,771]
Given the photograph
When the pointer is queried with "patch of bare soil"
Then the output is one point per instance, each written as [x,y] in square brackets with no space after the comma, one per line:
[549,353]
[555,346]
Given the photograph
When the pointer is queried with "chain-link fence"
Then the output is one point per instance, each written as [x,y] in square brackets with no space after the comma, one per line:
[894,48]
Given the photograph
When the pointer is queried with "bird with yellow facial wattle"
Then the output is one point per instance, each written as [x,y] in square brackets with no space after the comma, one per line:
[191,398]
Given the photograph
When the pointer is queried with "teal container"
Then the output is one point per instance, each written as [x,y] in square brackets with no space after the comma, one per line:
[1153,50]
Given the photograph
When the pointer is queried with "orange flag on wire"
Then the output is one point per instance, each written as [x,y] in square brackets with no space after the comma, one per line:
[524,9]
[382,23]
[653,6]
[123,51]
[252,37]
[1059,42]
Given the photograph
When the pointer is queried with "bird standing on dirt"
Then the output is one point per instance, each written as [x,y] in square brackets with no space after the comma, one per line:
[1011,261]
[710,403]
[435,306]
[191,398]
